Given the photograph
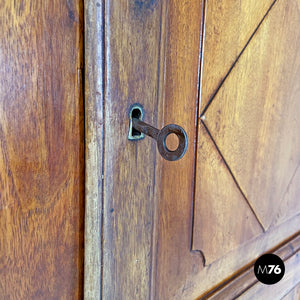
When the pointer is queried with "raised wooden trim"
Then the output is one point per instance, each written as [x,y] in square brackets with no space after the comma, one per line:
[245,279]
[94,128]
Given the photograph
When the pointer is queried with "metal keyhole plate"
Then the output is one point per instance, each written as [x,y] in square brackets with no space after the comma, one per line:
[136,111]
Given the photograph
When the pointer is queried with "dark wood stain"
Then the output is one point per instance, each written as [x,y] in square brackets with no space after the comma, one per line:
[145,4]
[144,7]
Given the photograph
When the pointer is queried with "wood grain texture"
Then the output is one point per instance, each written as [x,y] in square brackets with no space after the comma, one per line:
[290,201]
[294,294]
[132,67]
[254,118]
[267,76]
[244,280]
[94,135]
[197,285]
[41,150]
[223,220]
[134,38]
[151,56]
[278,290]
[173,260]
[228,27]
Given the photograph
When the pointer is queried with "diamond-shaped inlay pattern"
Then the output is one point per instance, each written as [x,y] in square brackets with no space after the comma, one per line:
[255,116]
[222,220]
[229,25]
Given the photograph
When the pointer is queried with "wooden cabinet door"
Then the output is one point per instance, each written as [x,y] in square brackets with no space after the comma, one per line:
[41,150]
[228,72]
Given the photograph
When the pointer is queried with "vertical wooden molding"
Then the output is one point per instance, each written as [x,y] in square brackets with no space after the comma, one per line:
[132,68]
[94,134]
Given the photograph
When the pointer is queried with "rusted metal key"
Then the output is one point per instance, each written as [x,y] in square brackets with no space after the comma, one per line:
[161,135]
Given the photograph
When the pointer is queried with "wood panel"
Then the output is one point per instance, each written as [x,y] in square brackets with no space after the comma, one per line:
[223,219]
[290,201]
[134,71]
[132,68]
[294,294]
[228,27]
[151,56]
[41,150]
[227,266]
[278,290]
[173,260]
[254,117]
[266,74]
[245,279]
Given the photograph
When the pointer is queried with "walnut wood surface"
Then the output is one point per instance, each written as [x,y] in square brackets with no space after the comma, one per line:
[294,294]
[246,279]
[254,118]
[223,219]
[94,130]
[132,65]
[278,290]
[135,35]
[41,150]
[228,265]
[253,121]
[228,27]
[289,205]
[151,56]
[173,260]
